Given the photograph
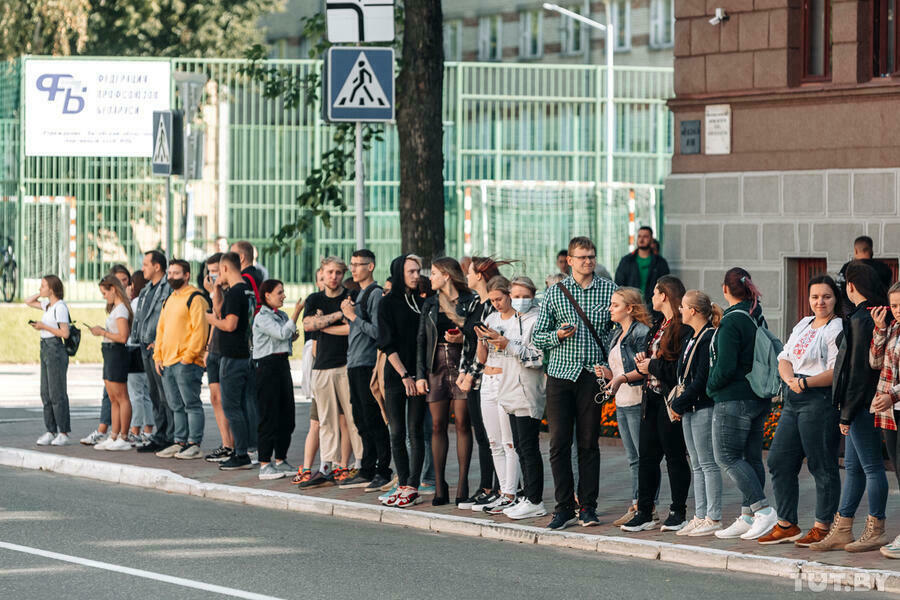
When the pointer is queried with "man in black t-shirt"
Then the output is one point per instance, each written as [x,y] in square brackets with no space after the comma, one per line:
[233,316]
[863,251]
[330,383]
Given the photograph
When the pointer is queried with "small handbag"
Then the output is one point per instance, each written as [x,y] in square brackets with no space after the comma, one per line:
[679,387]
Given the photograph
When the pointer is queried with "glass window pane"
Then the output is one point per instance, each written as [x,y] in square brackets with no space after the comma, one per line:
[816,37]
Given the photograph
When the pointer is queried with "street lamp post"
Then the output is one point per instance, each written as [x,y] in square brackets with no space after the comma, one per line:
[610,107]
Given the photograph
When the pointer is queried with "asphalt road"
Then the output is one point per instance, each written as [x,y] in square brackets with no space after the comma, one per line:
[142,539]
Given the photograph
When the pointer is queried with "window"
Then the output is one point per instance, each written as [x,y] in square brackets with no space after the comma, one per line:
[490,38]
[531,34]
[884,37]
[453,40]
[816,40]
[571,34]
[662,23]
[621,20]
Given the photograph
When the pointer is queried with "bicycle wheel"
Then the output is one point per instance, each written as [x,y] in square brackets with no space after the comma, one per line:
[8,281]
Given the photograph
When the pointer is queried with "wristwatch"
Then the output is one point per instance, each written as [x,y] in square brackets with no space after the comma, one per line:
[405,376]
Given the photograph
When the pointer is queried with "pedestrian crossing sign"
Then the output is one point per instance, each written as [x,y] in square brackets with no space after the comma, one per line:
[360,84]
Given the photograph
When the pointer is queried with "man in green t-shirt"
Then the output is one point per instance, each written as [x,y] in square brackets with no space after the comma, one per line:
[641,268]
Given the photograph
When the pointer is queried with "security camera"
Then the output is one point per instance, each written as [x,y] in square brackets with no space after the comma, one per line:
[721,17]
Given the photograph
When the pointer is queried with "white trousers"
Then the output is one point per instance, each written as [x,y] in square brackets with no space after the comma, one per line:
[499,432]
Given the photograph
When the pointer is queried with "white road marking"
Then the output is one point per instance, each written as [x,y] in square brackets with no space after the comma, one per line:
[222,552]
[40,570]
[35,515]
[177,542]
[188,583]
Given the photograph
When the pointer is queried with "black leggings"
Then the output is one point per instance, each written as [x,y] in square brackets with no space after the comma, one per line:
[275,399]
[440,418]
[406,416]
[661,437]
[526,437]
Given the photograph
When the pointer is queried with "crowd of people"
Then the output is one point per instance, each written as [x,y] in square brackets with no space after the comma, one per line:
[390,367]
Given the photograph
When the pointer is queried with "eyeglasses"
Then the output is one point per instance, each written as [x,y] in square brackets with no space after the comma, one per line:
[585,258]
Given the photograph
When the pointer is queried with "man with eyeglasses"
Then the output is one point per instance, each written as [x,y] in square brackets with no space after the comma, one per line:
[375,463]
[574,349]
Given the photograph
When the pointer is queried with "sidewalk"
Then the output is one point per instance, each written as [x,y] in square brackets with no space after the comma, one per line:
[20,427]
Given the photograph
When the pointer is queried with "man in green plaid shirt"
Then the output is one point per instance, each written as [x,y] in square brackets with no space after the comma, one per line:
[570,382]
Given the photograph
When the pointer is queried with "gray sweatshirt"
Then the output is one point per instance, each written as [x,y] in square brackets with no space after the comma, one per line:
[361,350]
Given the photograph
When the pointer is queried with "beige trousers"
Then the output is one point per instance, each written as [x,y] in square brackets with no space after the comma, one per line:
[331,388]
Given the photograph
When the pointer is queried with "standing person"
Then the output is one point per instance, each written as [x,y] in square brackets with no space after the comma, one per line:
[405,406]
[739,415]
[575,347]
[213,360]
[513,383]
[330,383]
[438,359]
[863,251]
[562,262]
[885,354]
[695,409]
[115,361]
[150,303]
[138,386]
[311,444]
[361,356]
[181,337]
[54,328]
[642,268]
[273,336]
[808,426]
[660,434]
[232,315]
[628,338]
[854,389]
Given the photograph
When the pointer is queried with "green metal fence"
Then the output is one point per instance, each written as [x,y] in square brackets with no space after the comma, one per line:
[511,122]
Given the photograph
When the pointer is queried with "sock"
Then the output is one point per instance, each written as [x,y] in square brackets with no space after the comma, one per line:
[747,518]
[765,511]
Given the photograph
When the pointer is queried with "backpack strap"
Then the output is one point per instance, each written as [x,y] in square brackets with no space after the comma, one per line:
[256,295]
[364,300]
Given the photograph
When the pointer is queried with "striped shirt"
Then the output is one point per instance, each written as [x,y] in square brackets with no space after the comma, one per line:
[579,352]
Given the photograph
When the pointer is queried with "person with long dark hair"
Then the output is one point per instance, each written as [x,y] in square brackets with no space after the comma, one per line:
[854,389]
[660,434]
[739,414]
[808,426]
[438,357]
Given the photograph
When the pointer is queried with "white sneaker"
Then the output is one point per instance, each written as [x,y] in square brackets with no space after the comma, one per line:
[93,438]
[518,501]
[706,528]
[104,444]
[60,440]
[740,526]
[45,439]
[119,445]
[527,510]
[763,522]
[692,525]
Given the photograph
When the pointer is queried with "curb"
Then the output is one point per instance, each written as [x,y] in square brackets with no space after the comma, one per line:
[162,479]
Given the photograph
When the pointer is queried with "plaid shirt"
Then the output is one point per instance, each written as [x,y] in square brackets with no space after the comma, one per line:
[884,354]
[578,352]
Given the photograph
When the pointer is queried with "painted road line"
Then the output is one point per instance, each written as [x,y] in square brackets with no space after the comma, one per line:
[41,570]
[36,515]
[185,553]
[223,541]
[188,583]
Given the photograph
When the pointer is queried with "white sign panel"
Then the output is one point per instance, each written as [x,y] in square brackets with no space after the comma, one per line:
[93,107]
[718,129]
[353,21]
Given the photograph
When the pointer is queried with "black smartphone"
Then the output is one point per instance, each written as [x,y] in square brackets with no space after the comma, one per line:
[569,327]
[31,321]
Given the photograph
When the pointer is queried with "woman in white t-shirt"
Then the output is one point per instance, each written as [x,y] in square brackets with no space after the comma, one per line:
[808,426]
[54,328]
[116,361]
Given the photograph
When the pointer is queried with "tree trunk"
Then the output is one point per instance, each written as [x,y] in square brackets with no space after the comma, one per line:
[420,130]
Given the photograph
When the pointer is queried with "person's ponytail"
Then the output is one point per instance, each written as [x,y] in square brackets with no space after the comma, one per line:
[741,286]
[716,314]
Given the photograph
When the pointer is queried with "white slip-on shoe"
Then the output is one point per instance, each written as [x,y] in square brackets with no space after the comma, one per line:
[104,444]
[763,522]
[120,445]
[45,439]
[740,526]
[61,439]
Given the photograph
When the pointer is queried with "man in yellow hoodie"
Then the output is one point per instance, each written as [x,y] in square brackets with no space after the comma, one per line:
[180,342]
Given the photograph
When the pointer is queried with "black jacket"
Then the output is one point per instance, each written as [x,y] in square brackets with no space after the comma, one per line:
[398,323]
[427,339]
[628,274]
[694,396]
[470,338]
[664,370]
[853,387]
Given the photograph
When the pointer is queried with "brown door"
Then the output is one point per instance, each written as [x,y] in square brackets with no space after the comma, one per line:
[892,263]
[807,268]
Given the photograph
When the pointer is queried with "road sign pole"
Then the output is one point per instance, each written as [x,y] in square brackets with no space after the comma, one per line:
[360,191]
[170,221]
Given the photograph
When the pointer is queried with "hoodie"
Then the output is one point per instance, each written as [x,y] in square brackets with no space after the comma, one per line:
[731,354]
[398,323]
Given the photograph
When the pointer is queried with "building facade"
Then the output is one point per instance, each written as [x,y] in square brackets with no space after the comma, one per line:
[811,156]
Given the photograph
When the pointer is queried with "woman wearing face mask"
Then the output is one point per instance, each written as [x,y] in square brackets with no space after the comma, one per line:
[439,344]
[628,338]
[116,361]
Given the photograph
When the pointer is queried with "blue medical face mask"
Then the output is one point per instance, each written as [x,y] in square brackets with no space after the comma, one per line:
[522,305]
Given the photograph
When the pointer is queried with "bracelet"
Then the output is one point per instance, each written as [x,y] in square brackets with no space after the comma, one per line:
[405,376]
[803,384]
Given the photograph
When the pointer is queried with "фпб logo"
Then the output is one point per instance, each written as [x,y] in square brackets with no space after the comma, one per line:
[52,84]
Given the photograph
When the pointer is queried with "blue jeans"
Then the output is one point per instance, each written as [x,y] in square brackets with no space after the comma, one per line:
[428,469]
[238,398]
[737,445]
[697,427]
[139,394]
[629,420]
[864,467]
[182,384]
[807,428]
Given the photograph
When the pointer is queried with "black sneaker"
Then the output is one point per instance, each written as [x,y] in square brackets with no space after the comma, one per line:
[152,446]
[588,517]
[562,519]
[478,501]
[360,481]
[236,462]
[674,522]
[641,521]
[220,454]
[318,480]
[376,484]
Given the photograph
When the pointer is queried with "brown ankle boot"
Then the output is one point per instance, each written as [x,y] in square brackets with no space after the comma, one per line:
[872,537]
[840,535]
